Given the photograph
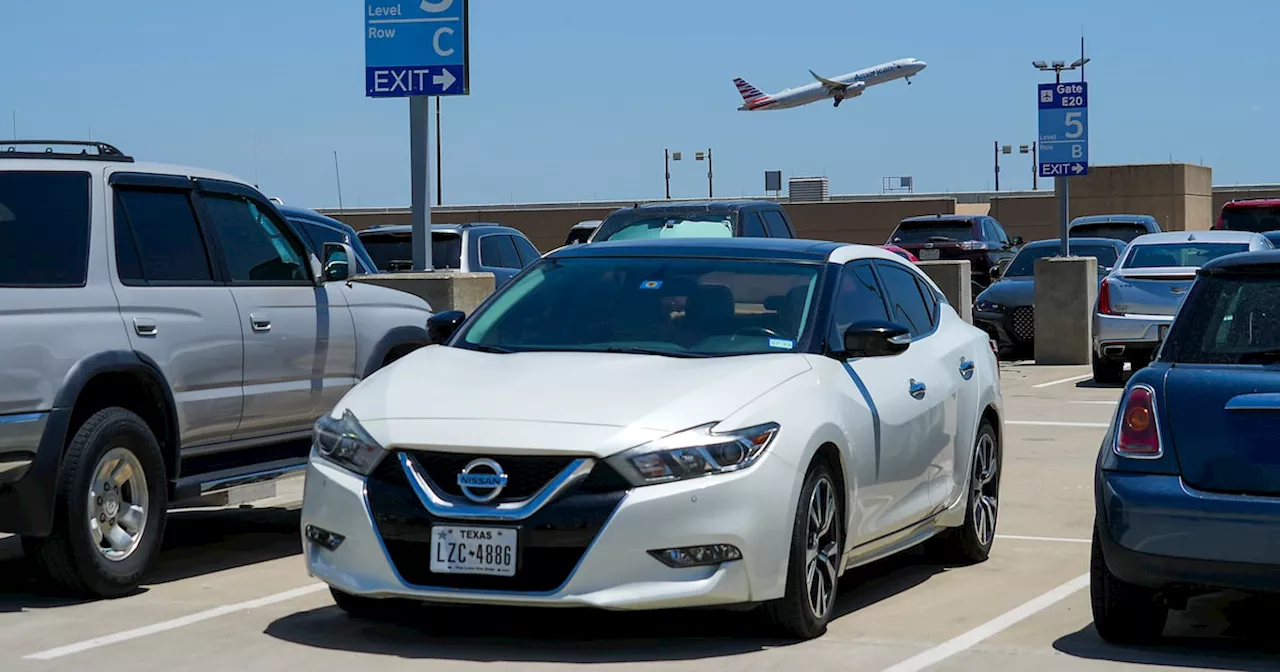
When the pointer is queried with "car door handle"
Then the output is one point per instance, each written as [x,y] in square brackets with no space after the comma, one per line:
[966,368]
[145,326]
[917,389]
[260,322]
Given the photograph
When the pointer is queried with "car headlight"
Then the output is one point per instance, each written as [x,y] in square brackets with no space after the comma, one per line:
[693,453]
[345,443]
[989,307]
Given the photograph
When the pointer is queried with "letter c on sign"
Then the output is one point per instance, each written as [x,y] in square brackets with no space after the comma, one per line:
[435,41]
[435,7]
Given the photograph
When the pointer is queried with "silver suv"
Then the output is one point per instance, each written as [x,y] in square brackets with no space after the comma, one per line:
[166,336]
[474,247]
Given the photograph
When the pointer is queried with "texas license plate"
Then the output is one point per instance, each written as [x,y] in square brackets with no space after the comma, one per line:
[473,550]
[928,255]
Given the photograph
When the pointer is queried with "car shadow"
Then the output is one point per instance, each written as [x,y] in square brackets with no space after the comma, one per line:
[196,543]
[1217,632]
[507,634]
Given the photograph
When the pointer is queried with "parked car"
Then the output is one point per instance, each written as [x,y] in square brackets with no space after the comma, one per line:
[478,247]
[520,494]
[1137,301]
[697,219]
[1259,215]
[1006,309]
[1187,484]
[317,229]
[978,238]
[1123,227]
[167,337]
[905,254]
[581,232]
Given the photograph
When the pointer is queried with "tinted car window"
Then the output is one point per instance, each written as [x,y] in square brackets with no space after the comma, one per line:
[528,253]
[319,235]
[909,307]
[937,232]
[1025,263]
[859,298]
[775,224]
[1233,320]
[1257,219]
[157,238]
[1179,254]
[489,256]
[44,229]
[691,226]
[394,251]
[255,244]
[752,225]
[1001,234]
[1117,230]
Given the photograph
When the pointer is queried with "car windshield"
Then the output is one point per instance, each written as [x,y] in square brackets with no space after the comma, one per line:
[1118,230]
[931,232]
[393,252]
[680,226]
[1255,219]
[1025,263]
[674,307]
[1232,320]
[577,236]
[1179,254]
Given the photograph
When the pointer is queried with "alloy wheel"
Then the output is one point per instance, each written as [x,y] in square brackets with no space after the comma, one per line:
[986,465]
[118,504]
[822,548]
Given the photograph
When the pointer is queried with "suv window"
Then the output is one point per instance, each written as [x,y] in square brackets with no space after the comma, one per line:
[528,253]
[992,232]
[1118,230]
[318,233]
[909,306]
[858,298]
[44,229]
[258,247]
[914,233]
[497,251]
[752,225]
[158,239]
[776,225]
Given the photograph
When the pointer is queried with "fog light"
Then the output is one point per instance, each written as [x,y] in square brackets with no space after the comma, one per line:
[694,556]
[324,538]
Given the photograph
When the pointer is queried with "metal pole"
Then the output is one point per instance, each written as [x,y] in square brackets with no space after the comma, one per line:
[420,176]
[709,184]
[338,174]
[1061,185]
[1035,172]
[997,165]
[666,166]
[439,170]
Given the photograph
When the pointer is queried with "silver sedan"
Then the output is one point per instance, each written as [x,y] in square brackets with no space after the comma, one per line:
[1139,298]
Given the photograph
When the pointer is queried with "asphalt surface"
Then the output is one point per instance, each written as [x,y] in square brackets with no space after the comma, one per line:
[231,593]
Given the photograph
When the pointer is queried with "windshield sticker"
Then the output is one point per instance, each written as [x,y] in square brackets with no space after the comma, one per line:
[781,343]
[651,284]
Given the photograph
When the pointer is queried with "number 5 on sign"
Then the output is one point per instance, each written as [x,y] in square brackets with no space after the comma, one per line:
[1073,122]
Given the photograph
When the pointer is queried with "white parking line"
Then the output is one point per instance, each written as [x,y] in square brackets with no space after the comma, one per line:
[1072,379]
[136,633]
[991,628]
[1057,423]
[1061,540]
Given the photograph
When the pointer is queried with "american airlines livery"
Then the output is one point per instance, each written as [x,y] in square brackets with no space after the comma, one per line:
[850,85]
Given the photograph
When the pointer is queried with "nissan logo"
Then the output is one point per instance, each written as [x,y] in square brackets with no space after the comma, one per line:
[482,480]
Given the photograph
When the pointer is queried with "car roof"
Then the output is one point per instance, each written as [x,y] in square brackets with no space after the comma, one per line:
[783,249]
[445,228]
[1078,240]
[1213,236]
[1251,203]
[310,215]
[686,206]
[1119,218]
[941,218]
[110,167]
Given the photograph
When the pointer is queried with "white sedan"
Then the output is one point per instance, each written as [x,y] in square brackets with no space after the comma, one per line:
[656,424]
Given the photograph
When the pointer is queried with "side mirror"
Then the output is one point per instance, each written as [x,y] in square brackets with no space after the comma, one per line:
[876,339]
[337,261]
[1017,241]
[995,273]
[441,326]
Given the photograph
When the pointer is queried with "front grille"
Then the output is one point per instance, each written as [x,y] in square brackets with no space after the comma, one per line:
[551,542]
[1024,323]
[526,474]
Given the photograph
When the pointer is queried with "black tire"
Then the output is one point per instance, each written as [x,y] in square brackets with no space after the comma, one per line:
[1107,371]
[373,609]
[1122,612]
[971,542]
[69,557]
[793,616]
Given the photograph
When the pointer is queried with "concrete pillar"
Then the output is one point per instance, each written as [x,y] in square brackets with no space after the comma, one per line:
[444,290]
[1066,288]
[955,279]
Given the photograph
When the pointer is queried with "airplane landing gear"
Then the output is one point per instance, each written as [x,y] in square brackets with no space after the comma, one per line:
[838,99]
[908,80]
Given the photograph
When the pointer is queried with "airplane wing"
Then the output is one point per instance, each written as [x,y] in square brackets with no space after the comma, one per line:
[829,84]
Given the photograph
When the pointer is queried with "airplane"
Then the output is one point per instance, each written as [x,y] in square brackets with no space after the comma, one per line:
[849,85]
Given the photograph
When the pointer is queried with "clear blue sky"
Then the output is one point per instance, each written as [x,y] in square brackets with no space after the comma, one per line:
[576,99]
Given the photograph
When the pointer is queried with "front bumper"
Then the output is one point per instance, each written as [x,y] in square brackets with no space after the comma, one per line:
[582,549]
[1156,531]
[1015,327]
[1118,336]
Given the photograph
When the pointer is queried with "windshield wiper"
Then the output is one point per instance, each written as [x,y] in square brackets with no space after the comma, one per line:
[649,351]
[480,347]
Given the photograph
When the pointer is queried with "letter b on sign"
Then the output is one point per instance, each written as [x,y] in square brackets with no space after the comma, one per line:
[1077,151]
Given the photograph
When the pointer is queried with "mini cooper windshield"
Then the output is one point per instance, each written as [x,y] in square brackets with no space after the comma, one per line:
[686,307]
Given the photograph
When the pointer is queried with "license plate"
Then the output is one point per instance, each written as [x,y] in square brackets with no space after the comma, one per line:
[1163,331]
[929,255]
[473,550]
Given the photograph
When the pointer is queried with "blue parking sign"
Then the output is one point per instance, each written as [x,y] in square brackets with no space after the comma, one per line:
[416,48]
[1064,129]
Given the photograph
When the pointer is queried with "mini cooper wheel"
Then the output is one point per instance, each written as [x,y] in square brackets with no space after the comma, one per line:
[971,542]
[817,544]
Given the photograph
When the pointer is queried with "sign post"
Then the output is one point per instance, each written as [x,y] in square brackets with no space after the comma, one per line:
[416,49]
[1064,142]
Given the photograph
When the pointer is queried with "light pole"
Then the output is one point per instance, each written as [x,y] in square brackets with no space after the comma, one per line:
[1060,184]
[670,156]
[1022,149]
[1058,66]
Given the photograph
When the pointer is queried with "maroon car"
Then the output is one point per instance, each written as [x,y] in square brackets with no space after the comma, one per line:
[978,238]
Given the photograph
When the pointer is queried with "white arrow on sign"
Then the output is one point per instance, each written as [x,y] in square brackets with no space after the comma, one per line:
[1076,168]
[445,79]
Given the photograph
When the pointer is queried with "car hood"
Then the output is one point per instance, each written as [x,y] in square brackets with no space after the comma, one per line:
[573,401]
[1016,291]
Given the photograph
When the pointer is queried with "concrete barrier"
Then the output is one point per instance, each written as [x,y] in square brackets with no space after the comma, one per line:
[1066,288]
[444,290]
[954,278]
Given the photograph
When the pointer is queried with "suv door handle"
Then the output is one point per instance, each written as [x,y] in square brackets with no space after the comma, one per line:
[966,368]
[145,326]
[917,389]
[260,322]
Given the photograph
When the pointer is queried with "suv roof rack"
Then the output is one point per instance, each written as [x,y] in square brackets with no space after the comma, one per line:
[10,150]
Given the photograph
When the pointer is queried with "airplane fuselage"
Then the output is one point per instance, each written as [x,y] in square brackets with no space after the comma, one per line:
[857,82]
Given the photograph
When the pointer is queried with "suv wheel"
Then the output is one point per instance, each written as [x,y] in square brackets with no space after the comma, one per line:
[110,511]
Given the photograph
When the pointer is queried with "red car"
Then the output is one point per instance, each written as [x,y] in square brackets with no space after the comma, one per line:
[1259,215]
[901,252]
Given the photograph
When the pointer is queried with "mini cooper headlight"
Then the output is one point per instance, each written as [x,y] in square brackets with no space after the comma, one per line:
[345,443]
[693,453]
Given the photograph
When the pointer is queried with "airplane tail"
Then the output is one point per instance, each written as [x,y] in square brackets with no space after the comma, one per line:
[749,93]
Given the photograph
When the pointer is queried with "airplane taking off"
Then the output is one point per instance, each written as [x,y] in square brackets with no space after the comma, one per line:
[849,85]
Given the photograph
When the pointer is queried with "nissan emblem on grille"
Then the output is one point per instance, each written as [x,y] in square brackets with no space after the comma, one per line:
[482,480]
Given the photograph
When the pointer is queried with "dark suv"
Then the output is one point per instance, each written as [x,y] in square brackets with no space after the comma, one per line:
[1120,227]
[697,219]
[978,238]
